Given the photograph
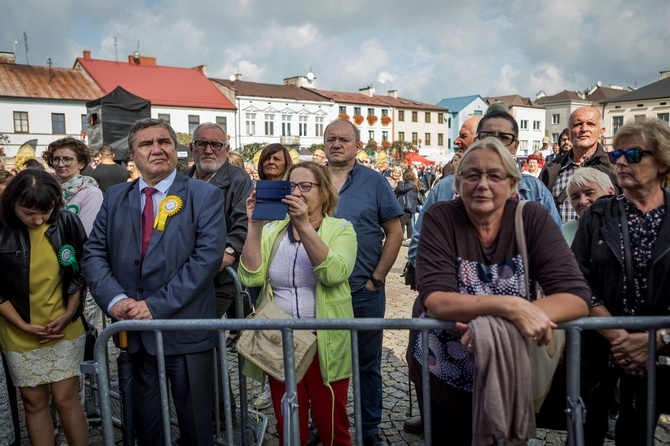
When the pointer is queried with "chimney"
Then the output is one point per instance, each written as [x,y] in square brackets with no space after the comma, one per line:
[393,94]
[7,57]
[145,61]
[663,74]
[238,76]
[87,54]
[308,81]
[367,91]
[202,69]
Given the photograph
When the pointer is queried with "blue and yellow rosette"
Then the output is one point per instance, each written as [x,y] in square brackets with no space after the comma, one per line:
[169,206]
[66,257]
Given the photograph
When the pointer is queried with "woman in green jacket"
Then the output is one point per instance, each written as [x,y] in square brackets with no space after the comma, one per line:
[308,278]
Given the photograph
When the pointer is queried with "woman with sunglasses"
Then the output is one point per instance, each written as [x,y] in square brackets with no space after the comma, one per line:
[308,278]
[623,248]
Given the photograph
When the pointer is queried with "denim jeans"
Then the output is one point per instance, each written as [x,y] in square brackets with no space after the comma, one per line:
[370,304]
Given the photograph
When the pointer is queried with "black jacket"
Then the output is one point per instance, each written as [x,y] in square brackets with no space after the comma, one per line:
[15,261]
[408,196]
[237,187]
[598,161]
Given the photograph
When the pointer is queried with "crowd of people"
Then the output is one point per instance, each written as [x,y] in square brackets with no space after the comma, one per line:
[146,241]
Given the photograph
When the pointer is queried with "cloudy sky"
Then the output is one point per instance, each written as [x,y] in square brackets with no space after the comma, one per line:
[426,49]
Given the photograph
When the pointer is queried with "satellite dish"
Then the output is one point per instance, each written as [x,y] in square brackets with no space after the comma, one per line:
[599,83]
[310,76]
[232,78]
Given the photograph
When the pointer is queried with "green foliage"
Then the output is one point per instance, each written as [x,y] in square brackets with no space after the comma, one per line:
[249,150]
[314,147]
[4,139]
[183,138]
[398,148]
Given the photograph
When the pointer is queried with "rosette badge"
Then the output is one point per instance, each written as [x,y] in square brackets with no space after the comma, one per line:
[168,207]
[66,257]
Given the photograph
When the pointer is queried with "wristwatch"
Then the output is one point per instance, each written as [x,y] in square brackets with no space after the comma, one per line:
[376,282]
[665,336]
[229,250]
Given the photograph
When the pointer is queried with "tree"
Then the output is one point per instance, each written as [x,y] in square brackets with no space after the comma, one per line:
[314,147]
[4,139]
[399,148]
[249,150]
[183,138]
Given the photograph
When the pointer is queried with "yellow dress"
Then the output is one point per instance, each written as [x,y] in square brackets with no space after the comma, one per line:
[31,363]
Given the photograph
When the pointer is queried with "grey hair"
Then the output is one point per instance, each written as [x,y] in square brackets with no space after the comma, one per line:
[584,177]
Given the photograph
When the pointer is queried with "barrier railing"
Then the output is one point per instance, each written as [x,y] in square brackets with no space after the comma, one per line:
[574,406]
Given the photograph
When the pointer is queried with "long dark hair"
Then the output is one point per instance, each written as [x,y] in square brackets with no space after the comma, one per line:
[33,189]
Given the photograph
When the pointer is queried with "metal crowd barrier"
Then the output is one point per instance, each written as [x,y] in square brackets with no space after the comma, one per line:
[575,409]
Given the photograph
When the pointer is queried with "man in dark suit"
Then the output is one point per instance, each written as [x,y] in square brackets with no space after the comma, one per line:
[154,250]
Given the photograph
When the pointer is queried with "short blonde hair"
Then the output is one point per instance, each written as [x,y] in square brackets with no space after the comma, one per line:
[654,135]
[508,161]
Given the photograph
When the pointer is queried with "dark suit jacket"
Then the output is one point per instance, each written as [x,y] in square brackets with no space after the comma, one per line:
[176,277]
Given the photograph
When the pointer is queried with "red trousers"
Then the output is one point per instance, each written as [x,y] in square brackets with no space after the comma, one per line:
[330,414]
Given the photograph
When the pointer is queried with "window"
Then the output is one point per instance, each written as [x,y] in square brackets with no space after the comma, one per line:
[58,123]
[401,136]
[319,126]
[415,138]
[523,145]
[554,137]
[285,125]
[84,123]
[555,119]
[440,118]
[164,116]
[21,122]
[371,111]
[415,116]
[385,112]
[357,110]
[302,125]
[269,124]
[193,122]
[617,122]
[343,110]
[385,135]
[427,139]
[449,123]
[440,139]
[427,118]
[663,117]
[524,124]
[401,115]
[251,124]
[371,135]
[536,145]
[477,112]
[536,125]
[222,121]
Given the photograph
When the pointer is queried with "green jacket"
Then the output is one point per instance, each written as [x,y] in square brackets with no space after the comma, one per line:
[333,295]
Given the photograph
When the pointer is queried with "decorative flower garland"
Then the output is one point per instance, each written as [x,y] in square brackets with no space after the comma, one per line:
[386,143]
[343,116]
[169,206]
[372,119]
[358,119]
[386,120]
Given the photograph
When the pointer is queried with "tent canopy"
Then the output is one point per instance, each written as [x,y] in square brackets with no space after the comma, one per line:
[414,157]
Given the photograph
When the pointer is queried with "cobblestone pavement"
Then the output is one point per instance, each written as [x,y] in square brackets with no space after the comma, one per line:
[394,369]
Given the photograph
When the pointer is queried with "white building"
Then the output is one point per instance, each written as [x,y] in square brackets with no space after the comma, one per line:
[531,120]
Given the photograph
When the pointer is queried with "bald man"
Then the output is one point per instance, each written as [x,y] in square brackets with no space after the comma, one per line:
[466,136]
[586,127]
[319,157]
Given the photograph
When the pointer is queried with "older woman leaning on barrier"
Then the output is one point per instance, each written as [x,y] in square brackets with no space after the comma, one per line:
[469,265]
[308,278]
[623,248]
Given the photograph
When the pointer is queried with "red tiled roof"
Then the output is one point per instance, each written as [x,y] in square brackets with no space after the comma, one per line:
[162,85]
[27,81]
[256,89]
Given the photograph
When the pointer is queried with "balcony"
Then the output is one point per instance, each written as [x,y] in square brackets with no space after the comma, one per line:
[289,141]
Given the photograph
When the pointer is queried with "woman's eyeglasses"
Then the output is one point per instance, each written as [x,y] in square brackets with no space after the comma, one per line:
[505,138]
[65,160]
[304,186]
[475,176]
[633,155]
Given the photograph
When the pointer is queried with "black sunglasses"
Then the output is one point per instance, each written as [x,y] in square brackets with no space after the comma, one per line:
[633,155]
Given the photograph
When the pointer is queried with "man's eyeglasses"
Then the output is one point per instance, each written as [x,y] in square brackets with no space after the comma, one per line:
[633,155]
[505,138]
[474,176]
[215,145]
[366,161]
[304,186]
[65,160]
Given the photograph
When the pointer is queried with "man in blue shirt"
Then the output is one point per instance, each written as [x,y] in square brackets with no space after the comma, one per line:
[500,125]
[367,201]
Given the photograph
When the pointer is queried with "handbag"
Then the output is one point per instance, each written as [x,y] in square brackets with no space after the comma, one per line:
[91,338]
[543,359]
[264,348]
